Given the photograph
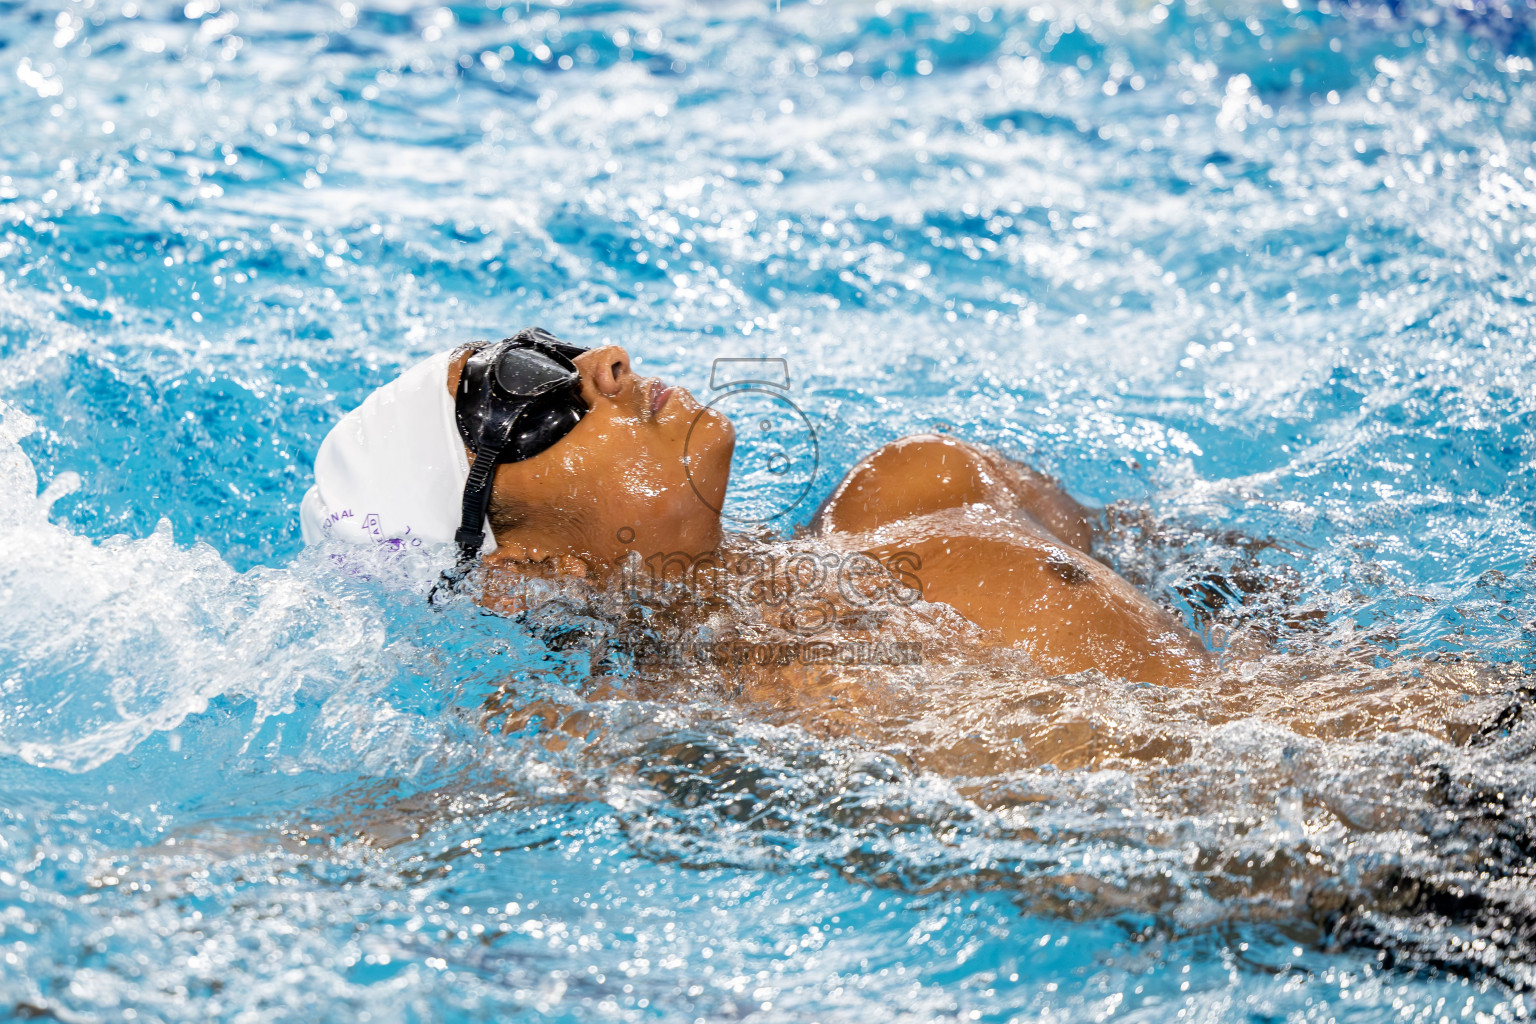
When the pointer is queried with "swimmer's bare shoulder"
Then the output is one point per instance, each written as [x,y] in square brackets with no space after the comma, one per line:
[927,473]
[1006,548]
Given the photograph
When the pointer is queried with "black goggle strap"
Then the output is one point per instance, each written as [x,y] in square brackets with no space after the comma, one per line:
[470,536]
[477,500]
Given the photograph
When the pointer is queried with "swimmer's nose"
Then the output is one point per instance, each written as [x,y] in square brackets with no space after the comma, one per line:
[607,368]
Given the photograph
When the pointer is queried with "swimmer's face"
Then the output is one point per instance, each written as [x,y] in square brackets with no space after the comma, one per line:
[644,470]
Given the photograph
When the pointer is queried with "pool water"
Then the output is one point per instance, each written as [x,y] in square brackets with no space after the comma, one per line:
[1252,267]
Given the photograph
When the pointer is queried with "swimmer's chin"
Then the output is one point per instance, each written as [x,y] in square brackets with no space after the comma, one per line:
[709,464]
[710,444]
[681,402]
[726,427]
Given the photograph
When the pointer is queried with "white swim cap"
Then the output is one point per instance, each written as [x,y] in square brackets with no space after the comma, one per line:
[392,471]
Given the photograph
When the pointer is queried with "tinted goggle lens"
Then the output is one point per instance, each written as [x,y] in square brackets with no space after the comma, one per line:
[527,372]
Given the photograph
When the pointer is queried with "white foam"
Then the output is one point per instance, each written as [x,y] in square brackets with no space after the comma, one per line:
[107,642]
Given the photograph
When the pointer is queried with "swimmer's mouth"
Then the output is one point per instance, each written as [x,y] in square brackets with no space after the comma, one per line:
[659,395]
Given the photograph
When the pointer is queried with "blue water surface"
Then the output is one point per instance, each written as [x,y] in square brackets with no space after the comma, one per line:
[1251,266]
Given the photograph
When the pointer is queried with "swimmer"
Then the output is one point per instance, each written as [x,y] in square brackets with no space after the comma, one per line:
[537,457]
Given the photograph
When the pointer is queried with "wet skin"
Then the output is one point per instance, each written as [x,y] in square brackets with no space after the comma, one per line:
[1008,549]
[633,475]
[998,542]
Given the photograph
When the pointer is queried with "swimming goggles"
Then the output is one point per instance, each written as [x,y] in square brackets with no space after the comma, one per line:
[516,398]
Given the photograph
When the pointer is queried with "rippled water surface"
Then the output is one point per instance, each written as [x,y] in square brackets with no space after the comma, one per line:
[1251,267]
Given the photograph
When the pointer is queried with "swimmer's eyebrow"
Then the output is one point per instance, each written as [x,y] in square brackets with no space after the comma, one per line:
[1068,568]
